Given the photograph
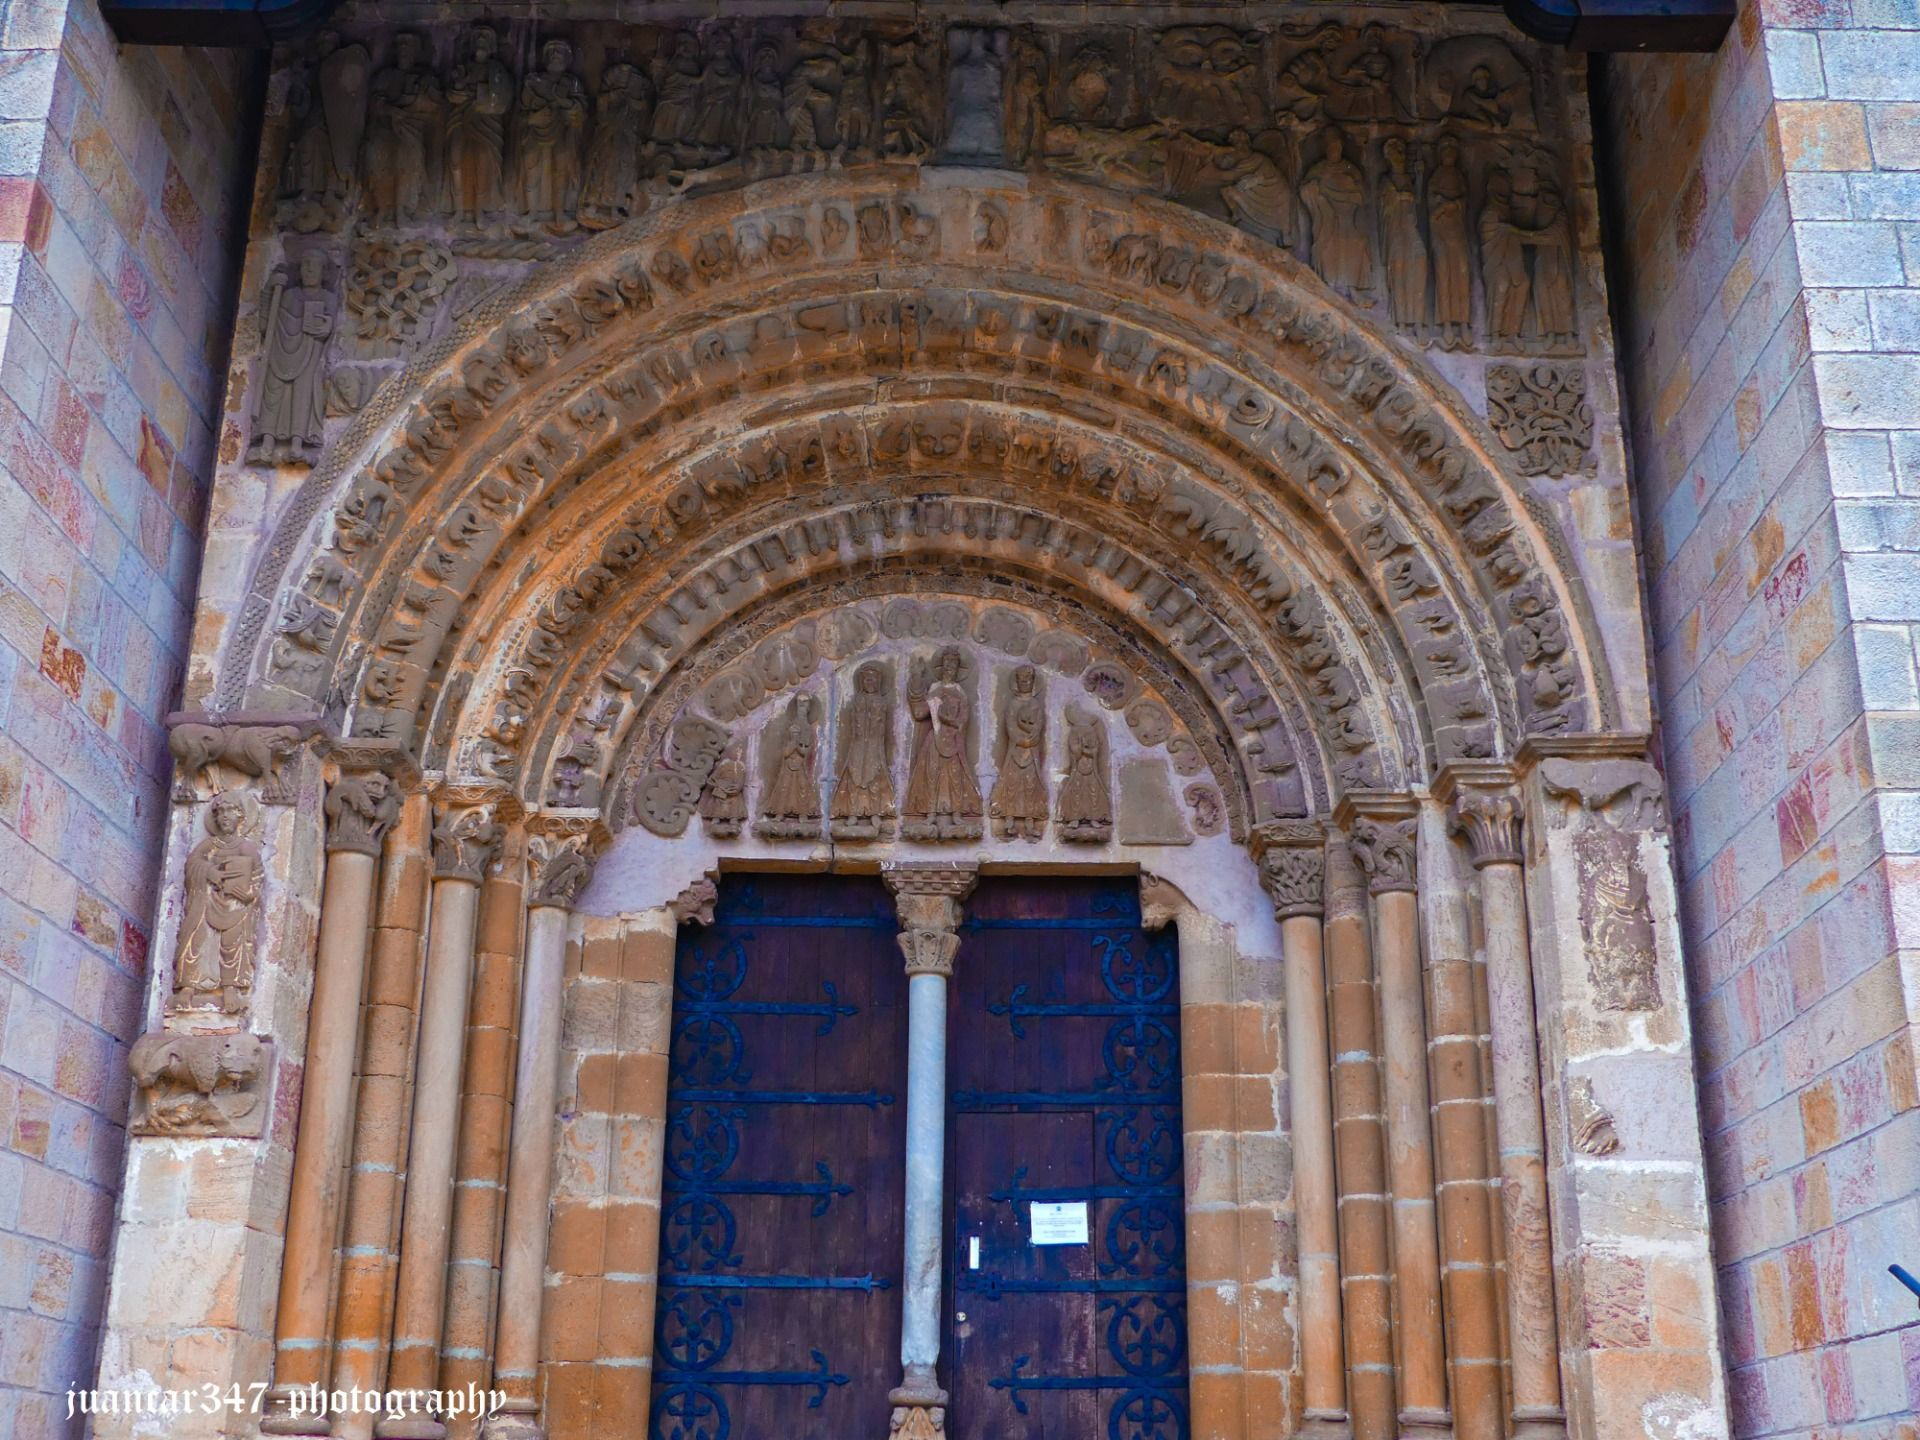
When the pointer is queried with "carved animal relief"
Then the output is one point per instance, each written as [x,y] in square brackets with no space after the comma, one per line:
[202,1084]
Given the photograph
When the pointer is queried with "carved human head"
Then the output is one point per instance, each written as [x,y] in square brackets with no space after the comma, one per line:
[485,42]
[1395,150]
[406,49]
[1025,677]
[1334,144]
[1449,150]
[869,678]
[227,815]
[951,664]
[686,53]
[325,43]
[1087,92]
[1481,79]
[313,269]
[556,55]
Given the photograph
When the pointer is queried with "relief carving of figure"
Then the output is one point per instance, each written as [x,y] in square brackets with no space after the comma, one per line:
[621,115]
[863,807]
[790,797]
[403,132]
[907,123]
[479,95]
[1025,101]
[1085,145]
[1405,249]
[225,878]
[1207,76]
[717,104]
[1483,100]
[1335,194]
[943,797]
[1255,191]
[1503,263]
[207,1084]
[1019,803]
[1552,241]
[827,98]
[289,413]
[326,109]
[1086,793]
[553,120]
[676,79]
[1617,921]
[723,803]
[1452,248]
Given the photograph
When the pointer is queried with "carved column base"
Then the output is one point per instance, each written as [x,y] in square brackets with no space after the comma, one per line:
[1541,1423]
[919,1407]
[278,1417]
[1325,1425]
[515,1420]
[1425,1425]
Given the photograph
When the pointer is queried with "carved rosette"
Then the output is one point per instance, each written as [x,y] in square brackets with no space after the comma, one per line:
[1490,821]
[561,852]
[361,807]
[927,899]
[1293,866]
[1387,853]
[466,836]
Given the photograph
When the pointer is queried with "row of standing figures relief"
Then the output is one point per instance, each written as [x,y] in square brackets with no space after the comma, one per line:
[1331,163]
[943,800]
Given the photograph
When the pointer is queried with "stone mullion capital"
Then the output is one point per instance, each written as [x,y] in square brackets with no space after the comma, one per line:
[1292,856]
[927,899]
[1492,824]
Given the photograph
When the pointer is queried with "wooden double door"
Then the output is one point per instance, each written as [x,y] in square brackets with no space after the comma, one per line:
[781,1232]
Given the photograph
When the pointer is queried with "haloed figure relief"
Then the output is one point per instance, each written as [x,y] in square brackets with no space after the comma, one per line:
[790,797]
[863,806]
[213,963]
[943,797]
[479,95]
[1020,753]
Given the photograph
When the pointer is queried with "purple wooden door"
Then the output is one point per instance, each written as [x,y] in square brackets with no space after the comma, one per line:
[1064,1092]
[780,1234]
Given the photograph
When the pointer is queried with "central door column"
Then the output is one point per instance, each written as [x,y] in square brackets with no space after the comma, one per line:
[927,898]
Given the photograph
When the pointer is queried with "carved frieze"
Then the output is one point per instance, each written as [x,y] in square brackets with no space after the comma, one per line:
[200,1084]
[224,882]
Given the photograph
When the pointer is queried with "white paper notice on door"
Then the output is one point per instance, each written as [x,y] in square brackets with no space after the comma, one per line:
[1062,1223]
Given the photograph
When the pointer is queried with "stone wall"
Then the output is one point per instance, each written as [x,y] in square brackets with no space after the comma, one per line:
[118,240]
[1767,199]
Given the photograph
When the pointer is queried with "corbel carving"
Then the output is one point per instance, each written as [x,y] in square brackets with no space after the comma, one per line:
[1293,865]
[361,807]
[201,1084]
[1161,901]
[1624,794]
[927,898]
[694,905]
[255,746]
[224,882]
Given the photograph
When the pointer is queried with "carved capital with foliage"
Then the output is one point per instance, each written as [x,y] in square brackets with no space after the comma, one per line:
[927,898]
[1293,866]
[1490,822]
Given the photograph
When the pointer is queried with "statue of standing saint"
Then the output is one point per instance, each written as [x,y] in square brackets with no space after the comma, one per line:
[1086,794]
[621,116]
[1335,194]
[290,410]
[403,123]
[943,797]
[863,791]
[553,120]
[479,95]
[1019,804]
[1406,250]
[790,800]
[213,963]
[1452,248]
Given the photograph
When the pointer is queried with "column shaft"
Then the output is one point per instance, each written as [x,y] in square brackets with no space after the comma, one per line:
[1416,1243]
[1322,1353]
[523,1256]
[425,1231]
[379,1153]
[1360,1152]
[486,1114]
[1533,1333]
[926,1170]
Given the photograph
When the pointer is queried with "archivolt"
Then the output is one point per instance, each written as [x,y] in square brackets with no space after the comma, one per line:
[703,388]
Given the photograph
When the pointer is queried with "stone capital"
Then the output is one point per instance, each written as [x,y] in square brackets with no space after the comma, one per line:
[1292,856]
[927,898]
[1387,852]
[466,832]
[1491,822]
[562,848]
[361,806]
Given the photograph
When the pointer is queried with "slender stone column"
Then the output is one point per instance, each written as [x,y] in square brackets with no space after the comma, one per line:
[928,900]
[1360,1151]
[1463,1189]
[463,842]
[361,806]
[561,863]
[486,1118]
[379,1161]
[1491,825]
[1293,862]
[1386,850]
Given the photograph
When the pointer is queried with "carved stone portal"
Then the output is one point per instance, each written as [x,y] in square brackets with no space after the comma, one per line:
[200,1084]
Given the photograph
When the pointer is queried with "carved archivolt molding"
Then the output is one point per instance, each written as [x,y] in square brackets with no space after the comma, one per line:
[514,461]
